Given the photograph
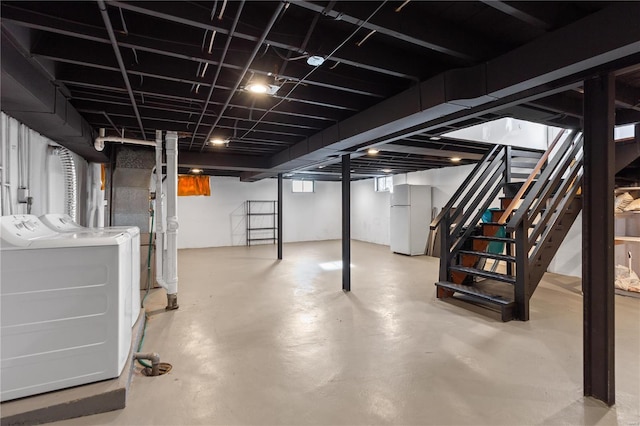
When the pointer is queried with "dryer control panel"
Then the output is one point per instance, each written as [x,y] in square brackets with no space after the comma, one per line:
[60,222]
[21,230]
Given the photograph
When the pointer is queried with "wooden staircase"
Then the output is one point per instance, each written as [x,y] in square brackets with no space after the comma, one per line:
[523,232]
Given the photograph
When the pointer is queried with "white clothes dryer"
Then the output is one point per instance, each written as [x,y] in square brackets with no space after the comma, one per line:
[65,307]
[64,223]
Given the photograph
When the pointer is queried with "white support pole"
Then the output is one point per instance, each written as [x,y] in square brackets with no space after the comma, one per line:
[159,215]
[172,220]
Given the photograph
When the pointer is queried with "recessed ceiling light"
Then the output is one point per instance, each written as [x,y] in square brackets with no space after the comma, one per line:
[315,60]
[196,171]
[257,87]
[435,138]
[372,151]
[455,159]
[260,88]
[321,167]
[386,170]
[218,141]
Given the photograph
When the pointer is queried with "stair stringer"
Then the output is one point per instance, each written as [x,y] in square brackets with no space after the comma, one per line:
[539,266]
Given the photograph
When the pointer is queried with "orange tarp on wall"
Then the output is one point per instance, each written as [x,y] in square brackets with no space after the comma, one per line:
[193,185]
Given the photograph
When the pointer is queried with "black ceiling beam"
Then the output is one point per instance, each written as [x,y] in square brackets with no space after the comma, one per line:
[401,147]
[181,13]
[563,103]
[526,73]
[627,96]
[76,53]
[170,117]
[627,116]
[519,11]
[112,96]
[104,79]
[186,126]
[166,48]
[115,107]
[427,34]
[221,161]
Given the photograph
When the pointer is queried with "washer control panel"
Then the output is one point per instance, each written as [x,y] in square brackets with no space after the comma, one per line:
[60,222]
[21,230]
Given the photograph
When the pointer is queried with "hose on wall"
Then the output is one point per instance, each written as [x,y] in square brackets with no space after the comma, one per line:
[70,181]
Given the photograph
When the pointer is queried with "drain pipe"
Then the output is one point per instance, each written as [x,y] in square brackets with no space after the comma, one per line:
[170,283]
[172,220]
[95,200]
[153,357]
[160,251]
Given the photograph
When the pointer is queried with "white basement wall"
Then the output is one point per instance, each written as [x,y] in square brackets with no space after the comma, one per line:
[37,169]
[220,220]
[370,212]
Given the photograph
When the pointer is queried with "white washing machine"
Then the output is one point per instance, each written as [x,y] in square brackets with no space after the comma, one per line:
[64,223]
[65,307]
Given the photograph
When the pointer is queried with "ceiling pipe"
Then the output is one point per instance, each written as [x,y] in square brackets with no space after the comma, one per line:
[99,142]
[259,43]
[114,43]
[215,78]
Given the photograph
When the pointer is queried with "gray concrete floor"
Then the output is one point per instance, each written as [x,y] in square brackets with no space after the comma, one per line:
[262,342]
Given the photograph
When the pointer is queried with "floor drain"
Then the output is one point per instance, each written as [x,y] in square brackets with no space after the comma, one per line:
[164,368]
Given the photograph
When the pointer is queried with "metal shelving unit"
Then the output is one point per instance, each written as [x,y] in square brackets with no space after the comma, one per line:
[262,220]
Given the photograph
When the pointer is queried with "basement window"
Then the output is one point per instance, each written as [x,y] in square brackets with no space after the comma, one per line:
[383,183]
[302,186]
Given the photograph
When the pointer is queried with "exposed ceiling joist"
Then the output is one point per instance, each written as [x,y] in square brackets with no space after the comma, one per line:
[430,35]
[519,11]
[508,78]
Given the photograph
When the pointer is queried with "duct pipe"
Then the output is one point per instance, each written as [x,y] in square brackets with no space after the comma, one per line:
[172,220]
[153,357]
[160,251]
[70,180]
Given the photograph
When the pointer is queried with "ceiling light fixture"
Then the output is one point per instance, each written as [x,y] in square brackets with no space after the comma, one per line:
[435,138]
[386,170]
[315,60]
[261,87]
[196,171]
[218,141]
[321,167]
[455,159]
[372,151]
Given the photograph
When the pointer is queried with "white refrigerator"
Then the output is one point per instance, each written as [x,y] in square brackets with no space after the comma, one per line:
[410,218]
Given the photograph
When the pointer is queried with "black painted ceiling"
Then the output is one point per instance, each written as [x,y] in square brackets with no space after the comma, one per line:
[187,64]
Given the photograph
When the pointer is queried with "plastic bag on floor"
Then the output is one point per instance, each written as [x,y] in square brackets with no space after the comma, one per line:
[627,279]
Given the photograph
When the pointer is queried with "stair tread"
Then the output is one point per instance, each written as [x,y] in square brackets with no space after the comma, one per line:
[497,256]
[493,224]
[485,274]
[475,292]
[490,238]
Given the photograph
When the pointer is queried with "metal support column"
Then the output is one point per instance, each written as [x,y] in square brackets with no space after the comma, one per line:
[346,222]
[279,216]
[598,238]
